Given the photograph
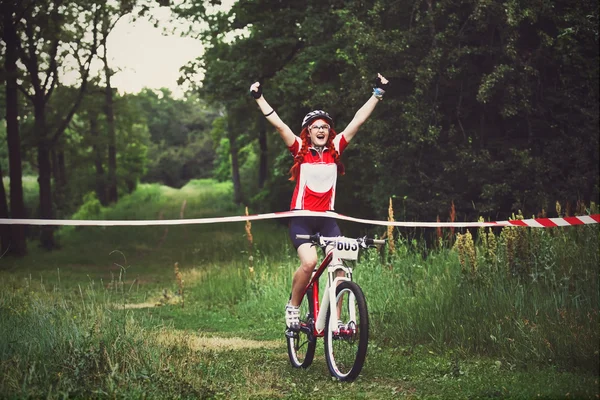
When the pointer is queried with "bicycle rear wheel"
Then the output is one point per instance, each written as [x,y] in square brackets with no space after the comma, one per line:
[346,347]
[301,344]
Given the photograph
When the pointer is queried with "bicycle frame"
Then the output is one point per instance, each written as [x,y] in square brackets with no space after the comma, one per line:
[329,297]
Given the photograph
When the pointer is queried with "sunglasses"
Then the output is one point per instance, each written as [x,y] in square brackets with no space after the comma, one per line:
[319,127]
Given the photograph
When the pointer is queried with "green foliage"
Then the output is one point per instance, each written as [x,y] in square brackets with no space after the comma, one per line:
[3,149]
[30,193]
[90,209]
[132,160]
[175,166]
[164,116]
[222,163]
[182,147]
[249,158]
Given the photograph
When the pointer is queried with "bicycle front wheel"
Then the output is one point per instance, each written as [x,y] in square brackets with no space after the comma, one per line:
[301,344]
[346,347]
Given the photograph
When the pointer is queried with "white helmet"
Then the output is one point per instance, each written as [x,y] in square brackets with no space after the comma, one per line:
[317,114]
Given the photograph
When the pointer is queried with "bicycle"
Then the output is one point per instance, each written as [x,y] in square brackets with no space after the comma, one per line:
[346,337]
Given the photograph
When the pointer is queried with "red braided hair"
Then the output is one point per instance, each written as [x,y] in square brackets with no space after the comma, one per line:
[304,136]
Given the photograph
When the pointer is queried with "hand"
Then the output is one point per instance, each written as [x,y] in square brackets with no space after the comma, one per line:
[381,82]
[256,90]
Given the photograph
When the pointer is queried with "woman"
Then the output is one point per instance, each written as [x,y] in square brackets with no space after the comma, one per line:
[316,165]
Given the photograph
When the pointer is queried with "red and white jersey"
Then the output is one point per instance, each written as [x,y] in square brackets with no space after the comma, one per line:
[315,185]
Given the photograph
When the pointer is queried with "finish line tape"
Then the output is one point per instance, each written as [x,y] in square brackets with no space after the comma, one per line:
[533,223]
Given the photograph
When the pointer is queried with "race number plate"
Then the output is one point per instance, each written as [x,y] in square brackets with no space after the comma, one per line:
[346,249]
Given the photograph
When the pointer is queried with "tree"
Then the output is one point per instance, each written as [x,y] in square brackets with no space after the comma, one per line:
[182,147]
[18,244]
[91,116]
[110,16]
[52,30]
[4,229]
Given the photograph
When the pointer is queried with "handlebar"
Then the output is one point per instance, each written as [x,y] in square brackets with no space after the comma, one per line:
[323,241]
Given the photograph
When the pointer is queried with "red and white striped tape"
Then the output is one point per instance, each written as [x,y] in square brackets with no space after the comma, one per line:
[533,223]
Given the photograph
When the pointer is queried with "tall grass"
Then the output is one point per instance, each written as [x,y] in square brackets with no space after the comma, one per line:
[55,345]
[541,307]
[526,296]
[531,299]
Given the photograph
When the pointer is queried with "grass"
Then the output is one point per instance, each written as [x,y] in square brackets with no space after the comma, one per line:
[520,321]
[103,316]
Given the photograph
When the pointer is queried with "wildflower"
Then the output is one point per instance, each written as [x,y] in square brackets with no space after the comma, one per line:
[390,228]
[248,228]
[180,281]
[452,218]
[466,253]
[439,232]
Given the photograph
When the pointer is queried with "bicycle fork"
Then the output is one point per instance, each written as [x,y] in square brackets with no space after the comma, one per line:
[329,298]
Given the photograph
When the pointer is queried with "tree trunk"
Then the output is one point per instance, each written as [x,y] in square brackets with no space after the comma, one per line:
[54,166]
[262,142]
[58,169]
[4,229]
[112,136]
[107,25]
[17,205]
[59,194]
[96,147]
[235,167]
[62,169]
[44,173]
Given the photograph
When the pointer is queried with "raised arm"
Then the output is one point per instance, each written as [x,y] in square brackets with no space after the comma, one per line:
[284,131]
[365,111]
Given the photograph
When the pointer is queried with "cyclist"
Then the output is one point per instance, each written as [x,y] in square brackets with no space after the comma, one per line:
[316,165]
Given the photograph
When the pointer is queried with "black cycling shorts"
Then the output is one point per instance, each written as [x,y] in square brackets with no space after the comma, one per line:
[311,225]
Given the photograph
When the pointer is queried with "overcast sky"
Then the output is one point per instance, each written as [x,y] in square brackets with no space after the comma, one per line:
[146,57]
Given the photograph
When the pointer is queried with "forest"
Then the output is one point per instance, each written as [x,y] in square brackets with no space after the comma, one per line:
[492,108]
